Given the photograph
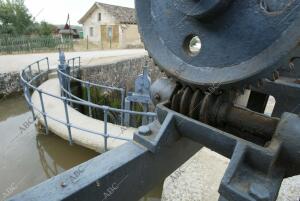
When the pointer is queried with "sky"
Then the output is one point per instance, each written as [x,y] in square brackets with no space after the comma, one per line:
[56,11]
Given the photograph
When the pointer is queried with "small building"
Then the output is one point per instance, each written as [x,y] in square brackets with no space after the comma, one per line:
[111,26]
[68,31]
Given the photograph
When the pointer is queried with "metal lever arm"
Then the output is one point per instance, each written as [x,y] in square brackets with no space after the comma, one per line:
[255,172]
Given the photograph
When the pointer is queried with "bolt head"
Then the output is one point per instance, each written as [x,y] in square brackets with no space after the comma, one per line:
[144,130]
[63,184]
[157,97]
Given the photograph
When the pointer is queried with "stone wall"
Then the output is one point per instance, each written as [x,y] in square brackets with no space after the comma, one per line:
[120,74]
[10,84]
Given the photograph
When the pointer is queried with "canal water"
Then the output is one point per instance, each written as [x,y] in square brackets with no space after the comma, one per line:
[27,157]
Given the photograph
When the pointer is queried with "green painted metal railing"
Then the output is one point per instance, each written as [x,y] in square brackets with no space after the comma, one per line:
[30,44]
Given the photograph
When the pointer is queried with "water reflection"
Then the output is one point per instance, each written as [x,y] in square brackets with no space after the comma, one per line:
[55,158]
[27,157]
[9,108]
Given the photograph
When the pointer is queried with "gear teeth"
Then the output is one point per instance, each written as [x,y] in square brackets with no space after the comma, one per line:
[239,88]
[291,66]
[259,83]
[275,75]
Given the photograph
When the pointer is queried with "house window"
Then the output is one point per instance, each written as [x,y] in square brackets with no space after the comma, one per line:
[99,17]
[91,31]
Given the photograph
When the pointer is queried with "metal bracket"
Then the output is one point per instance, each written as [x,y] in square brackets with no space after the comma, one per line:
[165,136]
[247,178]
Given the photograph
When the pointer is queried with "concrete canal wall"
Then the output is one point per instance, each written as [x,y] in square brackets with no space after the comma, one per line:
[9,84]
[120,73]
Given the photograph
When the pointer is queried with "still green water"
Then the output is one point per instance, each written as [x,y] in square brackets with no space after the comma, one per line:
[27,157]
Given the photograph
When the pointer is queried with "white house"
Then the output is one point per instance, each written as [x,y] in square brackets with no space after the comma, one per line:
[111,26]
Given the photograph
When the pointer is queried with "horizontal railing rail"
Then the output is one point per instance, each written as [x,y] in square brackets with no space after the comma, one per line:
[39,65]
[29,86]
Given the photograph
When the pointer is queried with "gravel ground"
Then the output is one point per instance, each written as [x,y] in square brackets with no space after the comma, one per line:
[14,63]
[199,178]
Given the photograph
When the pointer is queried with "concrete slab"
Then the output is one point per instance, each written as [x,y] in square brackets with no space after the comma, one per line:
[199,179]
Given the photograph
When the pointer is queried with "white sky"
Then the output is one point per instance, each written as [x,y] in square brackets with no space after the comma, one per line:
[56,11]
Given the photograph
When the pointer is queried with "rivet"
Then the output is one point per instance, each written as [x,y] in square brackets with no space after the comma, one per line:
[63,184]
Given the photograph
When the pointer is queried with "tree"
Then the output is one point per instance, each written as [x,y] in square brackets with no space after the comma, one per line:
[14,17]
[46,29]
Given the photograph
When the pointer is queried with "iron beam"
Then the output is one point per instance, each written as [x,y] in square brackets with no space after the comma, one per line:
[286,93]
[125,173]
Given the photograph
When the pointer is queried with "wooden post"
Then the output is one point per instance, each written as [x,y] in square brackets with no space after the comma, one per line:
[87,42]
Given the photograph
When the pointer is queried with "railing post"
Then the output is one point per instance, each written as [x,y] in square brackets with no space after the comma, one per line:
[127,115]
[43,110]
[88,86]
[145,119]
[73,67]
[153,118]
[68,120]
[79,66]
[30,71]
[105,127]
[122,105]
[38,65]
[27,94]
[150,117]
[69,91]
[60,82]
[48,65]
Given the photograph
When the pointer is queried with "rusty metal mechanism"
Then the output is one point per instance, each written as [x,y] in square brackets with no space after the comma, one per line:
[230,43]
[235,132]
[211,51]
[242,45]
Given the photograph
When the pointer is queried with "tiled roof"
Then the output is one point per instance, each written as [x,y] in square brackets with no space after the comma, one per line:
[124,15]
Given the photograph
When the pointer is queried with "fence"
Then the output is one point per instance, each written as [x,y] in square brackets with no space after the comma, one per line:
[29,44]
[27,80]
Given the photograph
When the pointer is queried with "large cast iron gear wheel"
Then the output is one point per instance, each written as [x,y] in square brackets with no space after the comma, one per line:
[242,41]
